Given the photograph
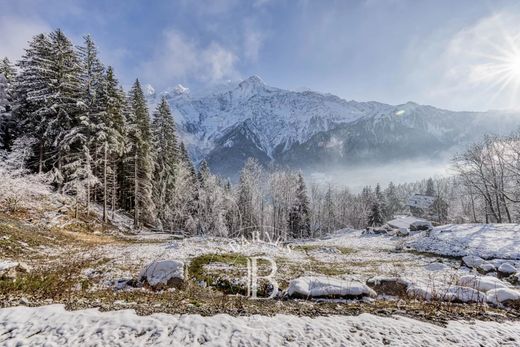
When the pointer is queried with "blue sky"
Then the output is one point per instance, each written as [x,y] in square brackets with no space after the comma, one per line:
[445,53]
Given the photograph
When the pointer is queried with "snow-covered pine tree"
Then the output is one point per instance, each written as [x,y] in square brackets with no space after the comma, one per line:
[180,211]
[249,197]
[329,215]
[7,123]
[184,156]
[430,188]
[141,138]
[66,107]
[32,88]
[115,113]
[7,69]
[94,118]
[393,203]
[375,217]
[380,197]
[299,216]
[166,159]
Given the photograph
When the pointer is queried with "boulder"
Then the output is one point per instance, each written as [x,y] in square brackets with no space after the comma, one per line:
[394,286]
[327,287]
[505,296]
[472,261]
[506,270]
[481,283]
[12,269]
[403,232]
[457,294]
[486,267]
[163,274]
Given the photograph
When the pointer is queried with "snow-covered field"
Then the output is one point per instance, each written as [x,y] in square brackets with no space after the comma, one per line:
[487,241]
[53,326]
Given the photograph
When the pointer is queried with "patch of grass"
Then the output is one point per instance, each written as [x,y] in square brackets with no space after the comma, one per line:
[311,248]
[223,280]
[45,284]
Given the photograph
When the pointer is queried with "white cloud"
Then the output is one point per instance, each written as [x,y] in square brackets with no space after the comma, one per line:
[15,32]
[181,58]
[253,41]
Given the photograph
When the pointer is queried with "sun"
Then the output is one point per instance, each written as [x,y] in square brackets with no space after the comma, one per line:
[512,65]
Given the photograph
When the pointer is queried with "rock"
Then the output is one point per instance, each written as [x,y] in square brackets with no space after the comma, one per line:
[486,267]
[472,261]
[418,292]
[403,232]
[374,231]
[421,226]
[10,269]
[481,283]
[506,270]
[327,287]
[163,274]
[457,294]
[505,296]
[394,286]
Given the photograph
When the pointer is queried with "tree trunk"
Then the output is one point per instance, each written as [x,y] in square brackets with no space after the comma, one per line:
[114,190]
[40,158]
[136,189]
[105,198]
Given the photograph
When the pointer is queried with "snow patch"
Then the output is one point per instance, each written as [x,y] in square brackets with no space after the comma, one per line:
[316,287]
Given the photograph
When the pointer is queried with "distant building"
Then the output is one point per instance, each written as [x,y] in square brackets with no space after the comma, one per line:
[429,207]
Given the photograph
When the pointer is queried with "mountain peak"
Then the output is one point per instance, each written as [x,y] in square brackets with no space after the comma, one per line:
[180,89]
[252,81]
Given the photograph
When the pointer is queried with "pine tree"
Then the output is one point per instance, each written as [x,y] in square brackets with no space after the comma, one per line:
[141,139]
[430,188]
[248,197]
[393,203]
[299,216]
[380,197]
[7,122]
[8,70]
[95,121]
[166,158]
[329,211]
[5,115]
[66,108]
[375,217]
[31,91]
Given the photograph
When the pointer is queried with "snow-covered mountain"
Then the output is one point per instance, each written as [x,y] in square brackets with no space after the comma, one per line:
[231,122]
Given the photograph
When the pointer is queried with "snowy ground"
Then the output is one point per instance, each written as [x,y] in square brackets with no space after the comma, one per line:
[52,325]
[488,241]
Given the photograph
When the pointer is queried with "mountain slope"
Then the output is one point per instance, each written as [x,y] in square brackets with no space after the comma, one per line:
[306,129]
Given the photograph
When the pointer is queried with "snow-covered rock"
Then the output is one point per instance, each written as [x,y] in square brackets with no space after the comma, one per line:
[327,287]
[394,286]
[486,267]
[472,261]
[481,283]
[11,269]
[162,274]
[505,296]
[409,222]
[448,294]
[506,270]
[403,232]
